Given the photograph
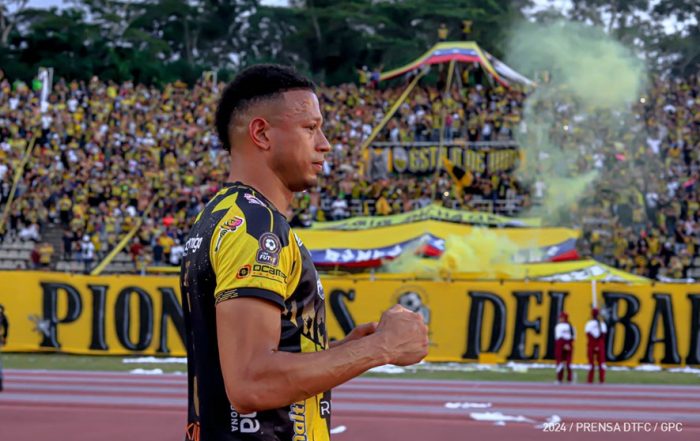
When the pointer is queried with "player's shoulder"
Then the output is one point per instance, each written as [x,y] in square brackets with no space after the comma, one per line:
[249,210]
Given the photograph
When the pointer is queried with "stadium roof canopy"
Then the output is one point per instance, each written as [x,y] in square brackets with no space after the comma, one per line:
[463,52]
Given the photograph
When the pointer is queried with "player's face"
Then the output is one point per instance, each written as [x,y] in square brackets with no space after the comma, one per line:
[298,145]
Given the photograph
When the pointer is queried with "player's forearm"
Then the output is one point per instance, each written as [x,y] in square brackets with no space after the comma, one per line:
[278,378]
[335,343]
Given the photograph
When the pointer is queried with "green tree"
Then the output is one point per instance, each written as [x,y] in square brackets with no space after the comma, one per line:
[683,46]
[61,39]
[10,12]
[163,40]
[334,38]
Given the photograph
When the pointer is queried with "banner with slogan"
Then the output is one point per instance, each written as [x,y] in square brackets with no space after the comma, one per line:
[468,320]
[429,245]
[514,321]
[423,159]
[579,271]
[367,247]
[430,212]
[92,314]
[573,271]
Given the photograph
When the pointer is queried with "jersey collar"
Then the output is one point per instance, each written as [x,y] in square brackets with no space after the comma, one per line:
[254,191]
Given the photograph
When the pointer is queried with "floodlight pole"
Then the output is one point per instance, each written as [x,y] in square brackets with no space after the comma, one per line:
[364,148]
[450,74]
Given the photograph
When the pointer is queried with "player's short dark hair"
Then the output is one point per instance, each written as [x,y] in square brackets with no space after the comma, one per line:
[262,81]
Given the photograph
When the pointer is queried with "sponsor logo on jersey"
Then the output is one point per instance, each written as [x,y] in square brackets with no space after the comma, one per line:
[193,244]
[269,272]
[192,432]
[243,272]
[269,250]
[297,415]
[230,226]
[253,200]
[244,423]
[325,408]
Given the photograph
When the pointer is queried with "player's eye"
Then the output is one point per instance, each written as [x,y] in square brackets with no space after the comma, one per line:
[312,127]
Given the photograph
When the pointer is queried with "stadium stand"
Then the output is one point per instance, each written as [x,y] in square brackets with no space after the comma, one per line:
[103,150]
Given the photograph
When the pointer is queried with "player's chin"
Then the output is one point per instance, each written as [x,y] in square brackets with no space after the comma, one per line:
[306,183]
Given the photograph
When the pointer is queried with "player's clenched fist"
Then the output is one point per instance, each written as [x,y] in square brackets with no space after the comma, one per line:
[403,336]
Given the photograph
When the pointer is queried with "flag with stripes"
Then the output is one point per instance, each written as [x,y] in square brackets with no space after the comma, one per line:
[461,177]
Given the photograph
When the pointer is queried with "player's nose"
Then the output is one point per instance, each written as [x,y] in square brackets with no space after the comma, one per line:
[322,144]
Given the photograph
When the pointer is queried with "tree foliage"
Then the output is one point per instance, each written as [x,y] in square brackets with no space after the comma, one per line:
[666,32]
[157,41]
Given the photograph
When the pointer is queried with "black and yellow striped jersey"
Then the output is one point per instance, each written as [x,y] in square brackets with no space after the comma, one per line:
[240,246]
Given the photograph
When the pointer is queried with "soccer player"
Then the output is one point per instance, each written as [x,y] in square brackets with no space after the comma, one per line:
[596,332]
[564,336]
[260,365]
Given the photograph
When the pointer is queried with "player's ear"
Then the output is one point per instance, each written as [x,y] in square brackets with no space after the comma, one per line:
[258,130]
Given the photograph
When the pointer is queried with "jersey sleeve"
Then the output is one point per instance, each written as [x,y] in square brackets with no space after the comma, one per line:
[260,265]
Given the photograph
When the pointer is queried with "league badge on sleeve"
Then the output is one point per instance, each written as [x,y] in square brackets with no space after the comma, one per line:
[269,250]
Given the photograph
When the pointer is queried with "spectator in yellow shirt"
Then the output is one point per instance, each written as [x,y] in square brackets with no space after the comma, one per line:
[45,254]
[382,207]
[167,243]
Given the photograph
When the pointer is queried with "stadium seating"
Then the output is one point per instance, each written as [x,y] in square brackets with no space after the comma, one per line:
[89,176]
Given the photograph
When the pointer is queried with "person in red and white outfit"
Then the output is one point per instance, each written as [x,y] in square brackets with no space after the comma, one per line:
[564,336]
[596,331]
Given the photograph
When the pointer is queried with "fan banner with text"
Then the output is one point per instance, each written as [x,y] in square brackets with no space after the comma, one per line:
[469,321]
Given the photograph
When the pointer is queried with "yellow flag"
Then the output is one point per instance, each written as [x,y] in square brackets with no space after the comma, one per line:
[461,177]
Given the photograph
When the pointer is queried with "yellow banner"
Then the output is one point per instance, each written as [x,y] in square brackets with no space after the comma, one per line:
[573,271]
[92,314]
[422,159]
[431,212]
[468,320]
[514,321]
[390,235]
[576,271]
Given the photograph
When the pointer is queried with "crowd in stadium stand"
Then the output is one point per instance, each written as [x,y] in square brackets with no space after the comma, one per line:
[103,150]
[645,211]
